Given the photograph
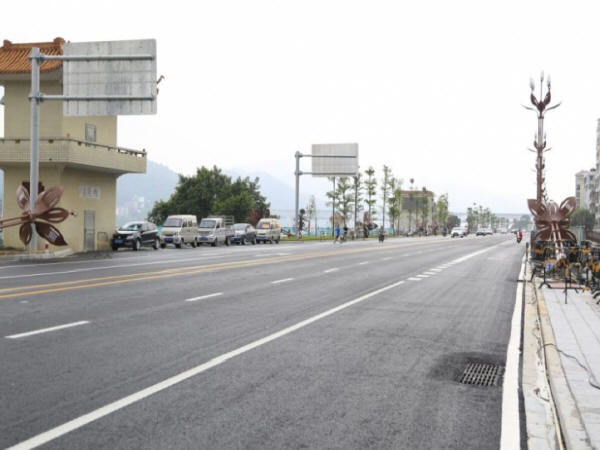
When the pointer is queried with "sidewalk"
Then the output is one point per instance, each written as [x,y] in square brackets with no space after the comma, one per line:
[576,328]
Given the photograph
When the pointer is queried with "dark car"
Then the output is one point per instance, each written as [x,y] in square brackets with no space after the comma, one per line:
[243,233]
[136,235]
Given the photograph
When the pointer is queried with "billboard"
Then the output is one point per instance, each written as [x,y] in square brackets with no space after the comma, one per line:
[334,159]
[131,78]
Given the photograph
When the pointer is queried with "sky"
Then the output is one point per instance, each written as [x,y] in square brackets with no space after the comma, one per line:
[432,89]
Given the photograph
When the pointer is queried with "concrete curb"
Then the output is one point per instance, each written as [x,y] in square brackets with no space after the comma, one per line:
[571,424]
[42,256]
[540,412]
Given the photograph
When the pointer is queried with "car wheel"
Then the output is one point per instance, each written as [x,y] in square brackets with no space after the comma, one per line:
[227,241]
[136,245]
[156,244]
[243,240]
[179,245]
[254,241]
[115,248]
[214,243]
[163,245]
[277,241]
[194,243]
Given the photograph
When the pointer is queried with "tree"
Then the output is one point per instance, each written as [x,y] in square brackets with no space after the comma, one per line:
[311,212]
[442,211]
[583,218]
[333,197]
[212,192]
[452,221]
[371,188]
[395,202]
[385,188]
[358,198]
[471,219]
[345,198]
[424,208]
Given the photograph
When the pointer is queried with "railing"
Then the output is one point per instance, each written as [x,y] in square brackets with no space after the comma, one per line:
[51,140]
[593,236]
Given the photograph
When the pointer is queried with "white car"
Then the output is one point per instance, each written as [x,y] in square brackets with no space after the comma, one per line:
[457,232]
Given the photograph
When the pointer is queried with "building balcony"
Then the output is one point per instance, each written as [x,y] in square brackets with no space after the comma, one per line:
[70,152]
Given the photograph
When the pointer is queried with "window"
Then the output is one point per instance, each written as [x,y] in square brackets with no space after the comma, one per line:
[90,132]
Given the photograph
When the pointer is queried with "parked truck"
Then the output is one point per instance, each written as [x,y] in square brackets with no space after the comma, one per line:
[215,230]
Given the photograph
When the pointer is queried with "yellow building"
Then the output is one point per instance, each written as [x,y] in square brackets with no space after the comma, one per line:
[78,153]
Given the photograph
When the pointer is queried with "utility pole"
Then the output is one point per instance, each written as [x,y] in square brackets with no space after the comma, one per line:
[34,100]
[298,155]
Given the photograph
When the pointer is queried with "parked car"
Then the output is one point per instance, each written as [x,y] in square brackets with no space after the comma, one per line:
[458,232]
[215,230]
[179,230]
[135,235]
[268,230]
[484,232]
[243,233]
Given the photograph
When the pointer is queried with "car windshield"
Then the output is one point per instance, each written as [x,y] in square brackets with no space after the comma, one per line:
[172,222]
[207,223]
[131,226]
[240,226]
[263,225]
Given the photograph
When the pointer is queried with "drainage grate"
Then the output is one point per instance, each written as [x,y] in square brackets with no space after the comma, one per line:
[481,374]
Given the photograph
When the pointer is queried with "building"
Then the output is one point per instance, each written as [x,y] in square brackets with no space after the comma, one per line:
[585,182]
[78,153]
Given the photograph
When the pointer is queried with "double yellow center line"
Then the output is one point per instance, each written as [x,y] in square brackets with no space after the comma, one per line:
[62,286]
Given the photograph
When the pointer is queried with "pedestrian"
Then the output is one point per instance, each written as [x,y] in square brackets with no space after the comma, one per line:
[337,232]
[345,233]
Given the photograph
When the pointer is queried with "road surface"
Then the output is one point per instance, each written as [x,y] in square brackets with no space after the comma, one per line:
[309,345]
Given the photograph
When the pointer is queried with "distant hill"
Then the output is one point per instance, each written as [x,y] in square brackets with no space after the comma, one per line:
[137,193]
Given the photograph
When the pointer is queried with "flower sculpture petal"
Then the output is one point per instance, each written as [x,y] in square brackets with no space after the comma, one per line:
[551,220]
[43,215]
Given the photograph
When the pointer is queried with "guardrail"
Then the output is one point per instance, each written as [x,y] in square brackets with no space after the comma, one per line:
[51,140]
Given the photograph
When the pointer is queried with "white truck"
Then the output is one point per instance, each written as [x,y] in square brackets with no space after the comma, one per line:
[215,230]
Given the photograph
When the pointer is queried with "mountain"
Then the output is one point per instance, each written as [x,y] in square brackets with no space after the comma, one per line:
[137,193]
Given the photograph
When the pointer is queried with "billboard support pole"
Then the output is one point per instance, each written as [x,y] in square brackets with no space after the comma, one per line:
[34,101]
[298,155]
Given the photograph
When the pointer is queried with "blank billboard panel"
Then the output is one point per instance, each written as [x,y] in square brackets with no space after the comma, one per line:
[131,78]
[334,159]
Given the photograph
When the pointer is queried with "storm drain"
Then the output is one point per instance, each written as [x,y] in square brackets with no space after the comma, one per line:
[481,374]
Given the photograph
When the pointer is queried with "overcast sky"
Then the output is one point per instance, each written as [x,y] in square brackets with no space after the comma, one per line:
[431,88]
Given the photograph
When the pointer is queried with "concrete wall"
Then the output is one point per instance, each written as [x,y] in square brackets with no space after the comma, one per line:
[75,182]
[52,122]
[17,110]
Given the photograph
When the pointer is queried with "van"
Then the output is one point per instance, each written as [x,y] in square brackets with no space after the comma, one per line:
[179,230]
[268,230]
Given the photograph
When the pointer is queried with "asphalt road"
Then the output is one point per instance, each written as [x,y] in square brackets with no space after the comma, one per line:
[308,345]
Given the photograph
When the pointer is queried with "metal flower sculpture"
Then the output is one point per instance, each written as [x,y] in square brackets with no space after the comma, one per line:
[552,221]
[44,214]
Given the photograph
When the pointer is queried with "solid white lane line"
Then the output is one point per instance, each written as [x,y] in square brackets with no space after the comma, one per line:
[510,431]
[363,263]
[281,281]
[333,269]
[414,279]
[79,422]
[202,297]
[46,330]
